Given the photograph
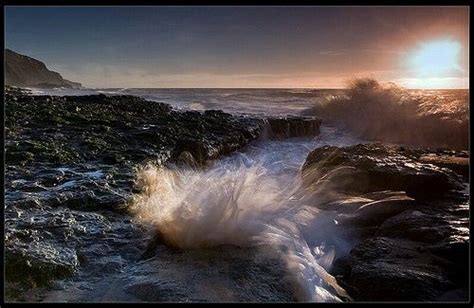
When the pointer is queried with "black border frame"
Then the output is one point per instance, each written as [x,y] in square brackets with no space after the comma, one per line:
[73,3]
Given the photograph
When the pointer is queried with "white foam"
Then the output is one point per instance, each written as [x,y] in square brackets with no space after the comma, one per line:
[248,199]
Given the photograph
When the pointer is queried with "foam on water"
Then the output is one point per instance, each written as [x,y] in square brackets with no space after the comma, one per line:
[248,199]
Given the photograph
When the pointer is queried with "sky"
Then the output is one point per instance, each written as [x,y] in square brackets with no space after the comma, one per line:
[245,47]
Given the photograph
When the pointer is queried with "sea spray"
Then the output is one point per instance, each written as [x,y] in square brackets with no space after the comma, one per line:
[240,203]
[195,209]
[389,113]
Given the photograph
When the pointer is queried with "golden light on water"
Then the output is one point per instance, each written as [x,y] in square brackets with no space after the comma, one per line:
[436,59]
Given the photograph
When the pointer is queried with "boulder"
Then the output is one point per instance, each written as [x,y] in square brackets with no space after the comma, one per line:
[425,224]
[383,269]
[439,231]
[368,168]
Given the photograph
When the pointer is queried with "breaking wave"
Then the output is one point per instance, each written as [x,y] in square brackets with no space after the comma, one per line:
[244,201]
[433,118]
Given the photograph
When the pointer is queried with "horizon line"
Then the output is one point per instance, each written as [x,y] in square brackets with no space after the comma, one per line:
[258,88]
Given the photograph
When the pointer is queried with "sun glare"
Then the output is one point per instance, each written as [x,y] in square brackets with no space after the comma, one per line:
[436,59]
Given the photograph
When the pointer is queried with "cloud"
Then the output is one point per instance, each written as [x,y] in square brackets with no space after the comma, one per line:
[331,53]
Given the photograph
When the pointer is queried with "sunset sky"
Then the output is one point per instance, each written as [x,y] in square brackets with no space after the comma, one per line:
[246,47]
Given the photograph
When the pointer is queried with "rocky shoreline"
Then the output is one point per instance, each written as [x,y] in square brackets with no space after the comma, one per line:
[70,166]
[410,212]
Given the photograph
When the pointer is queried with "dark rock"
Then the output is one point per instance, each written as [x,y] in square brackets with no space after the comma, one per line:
[425,224]
[457,161]
[121,128]
[117,129]
[39,269]
[200,150]
[112,159]
[374,167]
[382,269]
[222,273]
[44,245]
[426,242]
[456,252]
[457,295]
[158,291]
[407,208]
[286,127]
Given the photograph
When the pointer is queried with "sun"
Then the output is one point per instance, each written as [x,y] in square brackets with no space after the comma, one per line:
[436,59]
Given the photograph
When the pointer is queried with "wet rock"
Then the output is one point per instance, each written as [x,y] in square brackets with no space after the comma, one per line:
[112,159]
[382,269]
[455,295]
[406,208]
[223,273]
[457,161]
[38,264]
[47,244]
[374,167]
[442,232]
[115,129]
[425,224]
[158,291]
[286,127]
[432,235]
[456,252]
[201,151]
[77,187]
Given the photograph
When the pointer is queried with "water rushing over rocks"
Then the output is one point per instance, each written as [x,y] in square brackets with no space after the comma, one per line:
[114,198]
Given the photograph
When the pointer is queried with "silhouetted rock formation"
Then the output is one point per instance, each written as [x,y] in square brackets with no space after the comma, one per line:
[23,71]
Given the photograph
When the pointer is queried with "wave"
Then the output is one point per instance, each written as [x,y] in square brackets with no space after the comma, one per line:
[242,203]
[393,114]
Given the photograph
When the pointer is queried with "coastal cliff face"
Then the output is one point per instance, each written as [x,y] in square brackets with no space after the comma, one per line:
[23,71]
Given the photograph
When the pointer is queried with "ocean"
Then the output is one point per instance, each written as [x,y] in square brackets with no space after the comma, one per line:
[264,101]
